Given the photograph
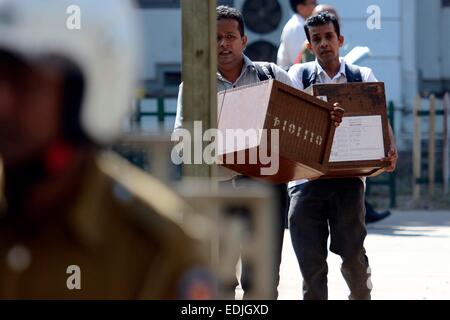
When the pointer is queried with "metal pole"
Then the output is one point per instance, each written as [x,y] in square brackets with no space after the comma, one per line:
[417,148]
[432,146]
[445,160]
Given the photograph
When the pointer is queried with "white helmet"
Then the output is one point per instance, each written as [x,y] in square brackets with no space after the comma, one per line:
[104,48]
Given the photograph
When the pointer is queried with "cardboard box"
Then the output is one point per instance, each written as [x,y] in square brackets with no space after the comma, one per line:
[363,138]
[303,123]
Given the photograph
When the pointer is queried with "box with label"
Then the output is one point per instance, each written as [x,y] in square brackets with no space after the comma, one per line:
[362,139]
[300,145]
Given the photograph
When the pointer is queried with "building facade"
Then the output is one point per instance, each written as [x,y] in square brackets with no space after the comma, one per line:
[409,42]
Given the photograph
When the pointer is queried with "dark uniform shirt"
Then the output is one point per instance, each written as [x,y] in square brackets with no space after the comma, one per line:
[111,242]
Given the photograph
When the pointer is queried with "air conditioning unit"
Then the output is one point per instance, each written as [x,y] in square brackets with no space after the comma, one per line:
[264,22]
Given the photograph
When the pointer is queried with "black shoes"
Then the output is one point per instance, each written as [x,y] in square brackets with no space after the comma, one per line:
[376,216]
[373,216]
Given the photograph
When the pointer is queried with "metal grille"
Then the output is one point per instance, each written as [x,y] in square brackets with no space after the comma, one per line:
[262,16]
[262,51]
[159,3]
[173,3]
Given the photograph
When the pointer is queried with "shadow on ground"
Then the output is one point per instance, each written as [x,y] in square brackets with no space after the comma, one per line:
[421,223]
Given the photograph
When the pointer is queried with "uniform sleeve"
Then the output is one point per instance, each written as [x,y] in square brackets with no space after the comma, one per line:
[296,76]
[179,115]
[178,267]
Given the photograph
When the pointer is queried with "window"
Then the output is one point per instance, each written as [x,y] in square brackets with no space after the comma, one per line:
[262,51]
[159,3]
[172,78]
[229,3]
[146,4]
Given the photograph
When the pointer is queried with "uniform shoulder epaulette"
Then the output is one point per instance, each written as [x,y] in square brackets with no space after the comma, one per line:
[166,204]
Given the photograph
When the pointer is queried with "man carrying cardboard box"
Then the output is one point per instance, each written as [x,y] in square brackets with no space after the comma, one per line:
[236,70]
[306,56]
[330,204]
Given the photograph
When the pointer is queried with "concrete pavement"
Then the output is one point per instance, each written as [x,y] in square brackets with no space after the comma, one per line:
[409,254]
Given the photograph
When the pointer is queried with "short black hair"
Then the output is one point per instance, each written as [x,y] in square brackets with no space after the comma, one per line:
[320,19]
[226,12]
[74,86]
[295,3]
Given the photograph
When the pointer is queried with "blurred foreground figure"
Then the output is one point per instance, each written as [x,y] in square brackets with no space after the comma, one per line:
[74,222]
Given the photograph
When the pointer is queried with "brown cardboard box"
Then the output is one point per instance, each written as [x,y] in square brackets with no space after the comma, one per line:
[359,100]
[305,130]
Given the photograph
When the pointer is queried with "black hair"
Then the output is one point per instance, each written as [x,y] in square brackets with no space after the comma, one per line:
[73,98]
[295,3]
[320,19]
[226,12]
[13,65]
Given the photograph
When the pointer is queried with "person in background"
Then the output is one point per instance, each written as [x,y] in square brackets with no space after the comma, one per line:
[293,34]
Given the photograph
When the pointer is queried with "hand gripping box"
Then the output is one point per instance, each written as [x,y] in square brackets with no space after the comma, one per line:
[249,119]
[362,139]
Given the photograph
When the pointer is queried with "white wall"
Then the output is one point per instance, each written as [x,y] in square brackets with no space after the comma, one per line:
[444,40]
[409,71]
[428,33]
[162,38]
[384,43]
[398,48]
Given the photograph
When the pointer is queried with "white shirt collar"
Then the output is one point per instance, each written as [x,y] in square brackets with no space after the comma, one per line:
[341,70]
[247,65]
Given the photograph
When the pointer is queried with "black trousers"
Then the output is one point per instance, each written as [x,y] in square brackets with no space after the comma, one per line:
[332,207]
[280,214]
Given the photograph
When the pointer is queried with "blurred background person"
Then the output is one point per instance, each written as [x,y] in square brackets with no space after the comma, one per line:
[71,223]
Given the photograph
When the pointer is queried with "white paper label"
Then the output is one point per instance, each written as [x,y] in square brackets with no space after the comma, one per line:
[358,138]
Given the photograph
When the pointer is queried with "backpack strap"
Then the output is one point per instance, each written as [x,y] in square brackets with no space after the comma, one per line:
[268,68]
[309,74]
[264,71]
[353,73]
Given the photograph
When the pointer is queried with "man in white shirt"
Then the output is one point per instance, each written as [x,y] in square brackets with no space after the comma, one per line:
[293,35]
[330,206]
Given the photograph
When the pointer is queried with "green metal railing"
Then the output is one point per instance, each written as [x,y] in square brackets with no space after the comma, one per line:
[160,112]
[388,179]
